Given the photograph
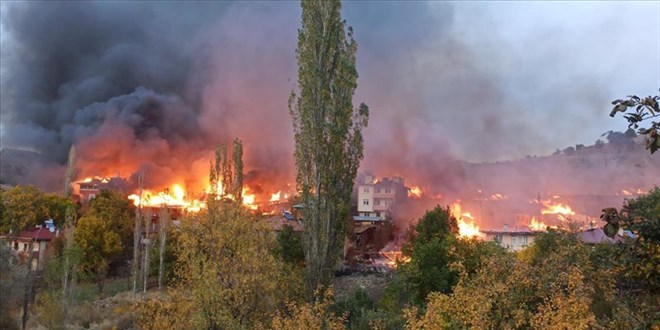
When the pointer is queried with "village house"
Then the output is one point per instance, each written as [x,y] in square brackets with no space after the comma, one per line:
[38,237]
[514,239]
[89,189]
[375,199]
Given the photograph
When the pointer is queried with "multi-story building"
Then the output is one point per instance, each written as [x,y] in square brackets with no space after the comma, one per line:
[375,199]
[89,189]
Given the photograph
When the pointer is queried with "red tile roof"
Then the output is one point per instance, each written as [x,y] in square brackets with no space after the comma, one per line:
[39,234]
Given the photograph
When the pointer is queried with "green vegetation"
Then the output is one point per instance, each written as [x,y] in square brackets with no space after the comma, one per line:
[328,134]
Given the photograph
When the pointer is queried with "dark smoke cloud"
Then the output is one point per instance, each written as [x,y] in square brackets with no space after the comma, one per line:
[158,85]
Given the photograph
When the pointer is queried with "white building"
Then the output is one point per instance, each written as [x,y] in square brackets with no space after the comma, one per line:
[514,239]
[375,199]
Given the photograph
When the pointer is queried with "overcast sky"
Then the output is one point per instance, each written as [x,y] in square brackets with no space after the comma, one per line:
[477,80]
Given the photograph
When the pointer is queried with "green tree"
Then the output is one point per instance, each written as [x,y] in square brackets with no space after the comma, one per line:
[104,234]
[114,208]
[637,110]
[289,246]
[429,251]
[26,206]
[100,244]
[328,133]
[227,276]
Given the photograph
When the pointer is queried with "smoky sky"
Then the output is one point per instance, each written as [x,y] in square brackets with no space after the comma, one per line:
[159,84]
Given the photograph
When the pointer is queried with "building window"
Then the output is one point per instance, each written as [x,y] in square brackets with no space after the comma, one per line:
[514,240]
[365,202]
[378,214]
[376,201]
[16,246]
[387,190]
[91,196]
[388,202]
[366,189]
[498,238]
[378,190]
[523,240]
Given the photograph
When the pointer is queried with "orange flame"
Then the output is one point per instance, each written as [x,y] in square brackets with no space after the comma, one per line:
[275,197]
[415,192]
[536,225]
[556,208]
[497,197]
[466,225]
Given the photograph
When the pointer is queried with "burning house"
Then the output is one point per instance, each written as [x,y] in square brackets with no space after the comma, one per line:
[376,198]
[91,187]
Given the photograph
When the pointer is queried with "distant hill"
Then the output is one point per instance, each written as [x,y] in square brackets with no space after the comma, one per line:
[24,166]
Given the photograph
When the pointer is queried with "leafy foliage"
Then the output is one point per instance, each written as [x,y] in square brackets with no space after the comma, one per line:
[226,275]
[316,315]
[429,251]
[26,206]
[328,133]
[289,246]
[565,291]
[637,110]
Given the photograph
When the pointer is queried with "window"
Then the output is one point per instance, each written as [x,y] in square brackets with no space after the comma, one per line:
[16,246]
[514,240]
[366,189]
[365,202]
[378,190]
[378,214]
[387,190]
[523,240]
[376,201]
[91,196]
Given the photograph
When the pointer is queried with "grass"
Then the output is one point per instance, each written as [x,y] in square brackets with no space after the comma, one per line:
[88,291]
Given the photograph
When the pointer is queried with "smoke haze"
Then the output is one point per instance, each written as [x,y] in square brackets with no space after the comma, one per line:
[158,85]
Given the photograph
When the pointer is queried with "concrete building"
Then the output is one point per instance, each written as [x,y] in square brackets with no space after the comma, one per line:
[375,199]
[514,239]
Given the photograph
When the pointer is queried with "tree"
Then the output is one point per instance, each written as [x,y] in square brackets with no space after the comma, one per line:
[99,244]
[637,110]
[429,251]
[12,276]
[227,276]
[105,234]
[639,256]
[26,206]
[327,133]
[289,247]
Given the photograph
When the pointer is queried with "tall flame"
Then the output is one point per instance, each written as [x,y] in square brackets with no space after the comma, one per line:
[551,207]
[466,225]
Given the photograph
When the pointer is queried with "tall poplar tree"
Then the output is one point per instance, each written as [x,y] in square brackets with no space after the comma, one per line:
[328,133]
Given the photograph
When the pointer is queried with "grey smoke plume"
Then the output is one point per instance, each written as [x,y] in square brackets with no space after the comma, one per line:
[157,85]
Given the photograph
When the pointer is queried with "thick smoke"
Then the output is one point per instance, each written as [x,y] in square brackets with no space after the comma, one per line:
[156,86]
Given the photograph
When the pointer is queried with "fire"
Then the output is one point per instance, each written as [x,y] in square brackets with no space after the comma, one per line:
[275,197]
[631,192]
[536,225]
[175,196]
[249,199]
[497,197]
[415,192]
[466,225]
[556,208]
